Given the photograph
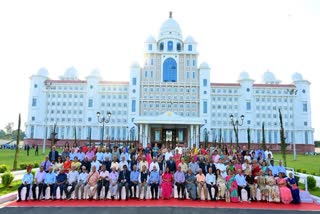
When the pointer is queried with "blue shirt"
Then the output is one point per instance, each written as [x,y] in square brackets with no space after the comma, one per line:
[281,169]
[154,177]
[274,170]
[134,176]
[50,178]
[241,181]
[61,177]
[27,178]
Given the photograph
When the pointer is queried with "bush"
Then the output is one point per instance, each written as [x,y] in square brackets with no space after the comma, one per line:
[304,171]
[33,172]
[7,178]
[298,170]
[3,168]
[313,173]
[297,179]
[23,166]
[311,182]
[36,165]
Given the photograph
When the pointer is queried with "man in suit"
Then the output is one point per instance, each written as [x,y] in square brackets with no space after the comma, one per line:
[172,165]
[53,155]
[124,180]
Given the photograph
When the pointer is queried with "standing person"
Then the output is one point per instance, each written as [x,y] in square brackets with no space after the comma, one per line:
[26,182]
[36,151]
[154,181]
[124,181]
[81,183]
[143,182]
[92,181]
[53,155]
[166,184]
[72,181]
[179,180]
[113,182]
[38,182]
[28,149]
[65,153]
[103,182]
[46,164]
[61,180]
[49,181]
[211,183]
[155,150]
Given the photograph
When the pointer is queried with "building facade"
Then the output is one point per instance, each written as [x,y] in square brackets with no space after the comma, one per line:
[169,99]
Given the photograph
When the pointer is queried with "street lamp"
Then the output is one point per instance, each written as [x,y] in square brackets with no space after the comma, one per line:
[236,124]
[103,120]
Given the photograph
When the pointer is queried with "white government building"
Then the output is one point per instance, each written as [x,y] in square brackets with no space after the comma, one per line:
[169,99]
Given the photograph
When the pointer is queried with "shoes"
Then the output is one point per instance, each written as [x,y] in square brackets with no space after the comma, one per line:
[19,200]
[112,198]
[144,198]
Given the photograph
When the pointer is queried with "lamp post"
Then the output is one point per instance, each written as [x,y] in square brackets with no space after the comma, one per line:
[236,124]
[103,120]
[48,86]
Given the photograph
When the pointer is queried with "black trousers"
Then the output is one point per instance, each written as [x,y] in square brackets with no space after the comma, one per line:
[154,189]
[20,188]
[180,187]
[104,184]
[215,190]
[134,185]
[34,186]
[45,187]
[247,188]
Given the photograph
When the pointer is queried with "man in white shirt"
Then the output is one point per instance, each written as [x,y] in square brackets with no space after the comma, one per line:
[267,152]
[211,183]
[81,183]
[95,163]
[99,155]
[115,164]
[143,163]
[103,182]
[72,181]
[123,162]
[168,155]
[222,168]
[154,163]
[107,154]
[38,182]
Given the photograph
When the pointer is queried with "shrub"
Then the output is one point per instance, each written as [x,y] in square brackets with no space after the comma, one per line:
[33,173]
[297,179]
[298,170]
[7,178]
[313,173]
[23,166]
[3,168]
[311,182]
[304,171]
[36,165]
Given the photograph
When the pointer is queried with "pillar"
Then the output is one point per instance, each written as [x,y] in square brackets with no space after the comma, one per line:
[197,136]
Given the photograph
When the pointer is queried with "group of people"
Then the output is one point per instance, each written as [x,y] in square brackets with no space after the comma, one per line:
[194,171]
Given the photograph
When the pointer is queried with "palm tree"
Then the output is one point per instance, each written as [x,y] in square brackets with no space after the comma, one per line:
[283,140]
[249,138]
[263,138]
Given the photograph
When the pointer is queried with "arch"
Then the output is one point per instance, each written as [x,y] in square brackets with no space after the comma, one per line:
[170,70]
[170,46]
[178,47]
[161,46]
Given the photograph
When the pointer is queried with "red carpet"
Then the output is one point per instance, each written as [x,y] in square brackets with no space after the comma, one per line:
[166,203]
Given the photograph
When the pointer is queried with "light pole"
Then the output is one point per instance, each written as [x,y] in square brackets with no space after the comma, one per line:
[236,124]
[103,120]
[48,86]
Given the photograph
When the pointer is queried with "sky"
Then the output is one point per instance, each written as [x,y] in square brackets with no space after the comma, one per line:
[282,36]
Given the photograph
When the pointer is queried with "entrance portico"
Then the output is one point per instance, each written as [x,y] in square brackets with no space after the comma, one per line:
[169,128]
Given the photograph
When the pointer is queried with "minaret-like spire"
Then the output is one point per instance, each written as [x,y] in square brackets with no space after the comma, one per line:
[170,14]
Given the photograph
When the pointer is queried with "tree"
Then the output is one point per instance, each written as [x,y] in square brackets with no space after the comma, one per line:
[249,138]
[263,138]
[15,161]
[2,134]
[53,136]
[220,137]
[8,128]
[283,144]
[15,132]
[75,135]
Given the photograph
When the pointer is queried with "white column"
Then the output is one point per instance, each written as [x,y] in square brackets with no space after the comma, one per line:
[197,136]
[146,134]
[191,136]
[140,133]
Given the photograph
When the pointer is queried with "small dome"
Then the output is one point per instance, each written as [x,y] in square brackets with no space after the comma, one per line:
[268,77]
[189,40]
[170,29]
[43,72]
[135,65]
[296,77]
[95,73]
[244,76]
[204,65]
[70,74]
[150,39]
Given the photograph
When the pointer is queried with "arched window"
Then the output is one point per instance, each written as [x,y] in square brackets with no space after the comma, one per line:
[178,47]
[170,70]
[170,45]
[161,46]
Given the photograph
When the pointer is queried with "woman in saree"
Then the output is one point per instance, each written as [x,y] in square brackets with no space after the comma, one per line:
[273,189]
[293,186]
[262,185]
[232,187]
[177,158]
[221,183]
[285,192]
[264,167]
[191,185]
[166,184]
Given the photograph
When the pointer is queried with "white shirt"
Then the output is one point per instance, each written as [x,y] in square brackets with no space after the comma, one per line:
[211,178]
[222,169]
[122,163]
[95,163]
[80,156]
[154,164]
[104,174]
[73,176]
[83,177]
[167,156]
[100,156]
[179,150]
[107,155]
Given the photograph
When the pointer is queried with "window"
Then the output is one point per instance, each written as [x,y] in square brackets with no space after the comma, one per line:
[90,103]
[189,47]
[133,106]
[304,107]
[193,75]
[170,45]
[34,102]
[134,81]
[188,62]
[305,123]
[248,106]
[151,74]
[193,62]
[146,74]
[150,47]
[205,82]
[205,107]
[170,70]
[187,74]
[178,47]
[33,118]
[161,46]
[89,119]
[35,86]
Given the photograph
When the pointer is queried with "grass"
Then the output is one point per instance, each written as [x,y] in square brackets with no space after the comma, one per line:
[7,157]
[315,191]
[13,187]
[310,163]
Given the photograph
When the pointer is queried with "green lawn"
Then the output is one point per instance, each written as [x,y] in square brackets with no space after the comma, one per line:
[13,187]
[7,157]
[311,163]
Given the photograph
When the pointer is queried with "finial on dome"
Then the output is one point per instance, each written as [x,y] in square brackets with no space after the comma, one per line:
[170,14]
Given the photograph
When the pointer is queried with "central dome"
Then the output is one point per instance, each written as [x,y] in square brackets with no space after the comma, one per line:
[170,29]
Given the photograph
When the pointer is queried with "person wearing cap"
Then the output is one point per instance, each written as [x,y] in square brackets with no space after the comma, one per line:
[73,177]
[26,182]
[49,181]
[124,180]
[38,182]
[82,179]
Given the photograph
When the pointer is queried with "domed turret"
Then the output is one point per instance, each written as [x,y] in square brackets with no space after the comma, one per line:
[170,29]
[150,39]
[43,72]
[204,65]
[244,76]
[70,74]
[269,78]
[135,65]
[189,40]
[95,73]
[296,77]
